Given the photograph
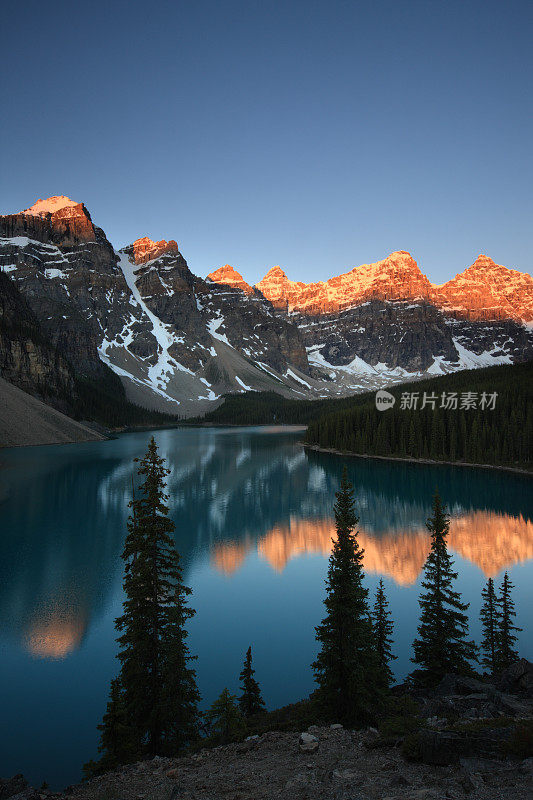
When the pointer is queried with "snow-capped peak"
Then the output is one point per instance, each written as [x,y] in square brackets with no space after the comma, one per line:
[50,205]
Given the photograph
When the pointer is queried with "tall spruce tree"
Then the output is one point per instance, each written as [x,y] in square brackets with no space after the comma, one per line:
[350,681]
[442,644]
[490,623]
[157,685]
[250,701]
[383,627]
[506,651]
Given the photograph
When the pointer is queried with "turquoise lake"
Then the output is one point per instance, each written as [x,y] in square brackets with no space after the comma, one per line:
[253,513]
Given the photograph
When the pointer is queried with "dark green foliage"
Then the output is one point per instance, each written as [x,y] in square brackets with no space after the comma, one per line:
[158,688]
[104,401]
[383,627]
[506,640]
[347,670]
[250,700]
[441,645]
[490,621]
[267,408]
[500,436]
[117,739]
[294,717]
[225,721]
[402,718]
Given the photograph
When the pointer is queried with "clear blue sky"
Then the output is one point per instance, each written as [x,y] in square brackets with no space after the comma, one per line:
[314,135]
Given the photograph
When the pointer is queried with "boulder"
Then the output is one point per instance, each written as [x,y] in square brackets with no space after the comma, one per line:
[12,786]
[449,747]
[460,684]
[308,743]
[518,678]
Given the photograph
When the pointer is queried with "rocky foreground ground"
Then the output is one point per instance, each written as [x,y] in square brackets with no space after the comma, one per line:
[471,739]
[275,766]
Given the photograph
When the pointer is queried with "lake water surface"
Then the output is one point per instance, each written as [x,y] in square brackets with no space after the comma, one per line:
[253,514]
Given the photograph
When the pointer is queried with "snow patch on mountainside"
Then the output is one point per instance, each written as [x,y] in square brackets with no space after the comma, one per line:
[213,325]
[158,374]
[242,383]
[489,358]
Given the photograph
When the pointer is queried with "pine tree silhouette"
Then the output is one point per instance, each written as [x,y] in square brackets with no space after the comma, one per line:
[441,645]
[383,627]
[347,670]
[156,689]
[490,621]
[506,651]
[250,700]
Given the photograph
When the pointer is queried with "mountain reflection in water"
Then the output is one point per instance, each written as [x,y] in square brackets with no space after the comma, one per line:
[490,540]
[253,514]
[231,493]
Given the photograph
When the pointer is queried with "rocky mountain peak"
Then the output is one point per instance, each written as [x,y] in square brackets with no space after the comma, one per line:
[57,219]
[487,290]
[50,206]
[484,261]
[146,249]
[277,287]
[230,277]
[395,277]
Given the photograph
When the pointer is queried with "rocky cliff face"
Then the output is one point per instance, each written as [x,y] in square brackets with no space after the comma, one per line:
[228,276]
[487,291]
[483,291]
[397,277]
[27,357]
[210,338]
[179,342]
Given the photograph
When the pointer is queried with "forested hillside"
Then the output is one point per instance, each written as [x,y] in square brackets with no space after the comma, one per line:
[480,429]
[265,408]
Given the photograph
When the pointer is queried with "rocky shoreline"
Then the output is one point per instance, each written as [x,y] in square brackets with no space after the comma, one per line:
[431,462]
[469,738]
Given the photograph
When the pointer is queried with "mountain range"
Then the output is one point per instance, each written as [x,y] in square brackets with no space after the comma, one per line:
[137,319]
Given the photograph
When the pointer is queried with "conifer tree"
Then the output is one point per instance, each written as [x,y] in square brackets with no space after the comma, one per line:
[225,720]
[350,682]
[442,644]
[250,700]
[157,685]
[506,652]
[490,621]
[383,627]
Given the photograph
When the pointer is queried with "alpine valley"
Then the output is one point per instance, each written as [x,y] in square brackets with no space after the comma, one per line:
[76,312]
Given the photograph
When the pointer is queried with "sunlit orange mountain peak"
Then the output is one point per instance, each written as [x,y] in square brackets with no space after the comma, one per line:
[487,290]
[230,277]
[53,219]
[395,277]
[50,206]
[146,249]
